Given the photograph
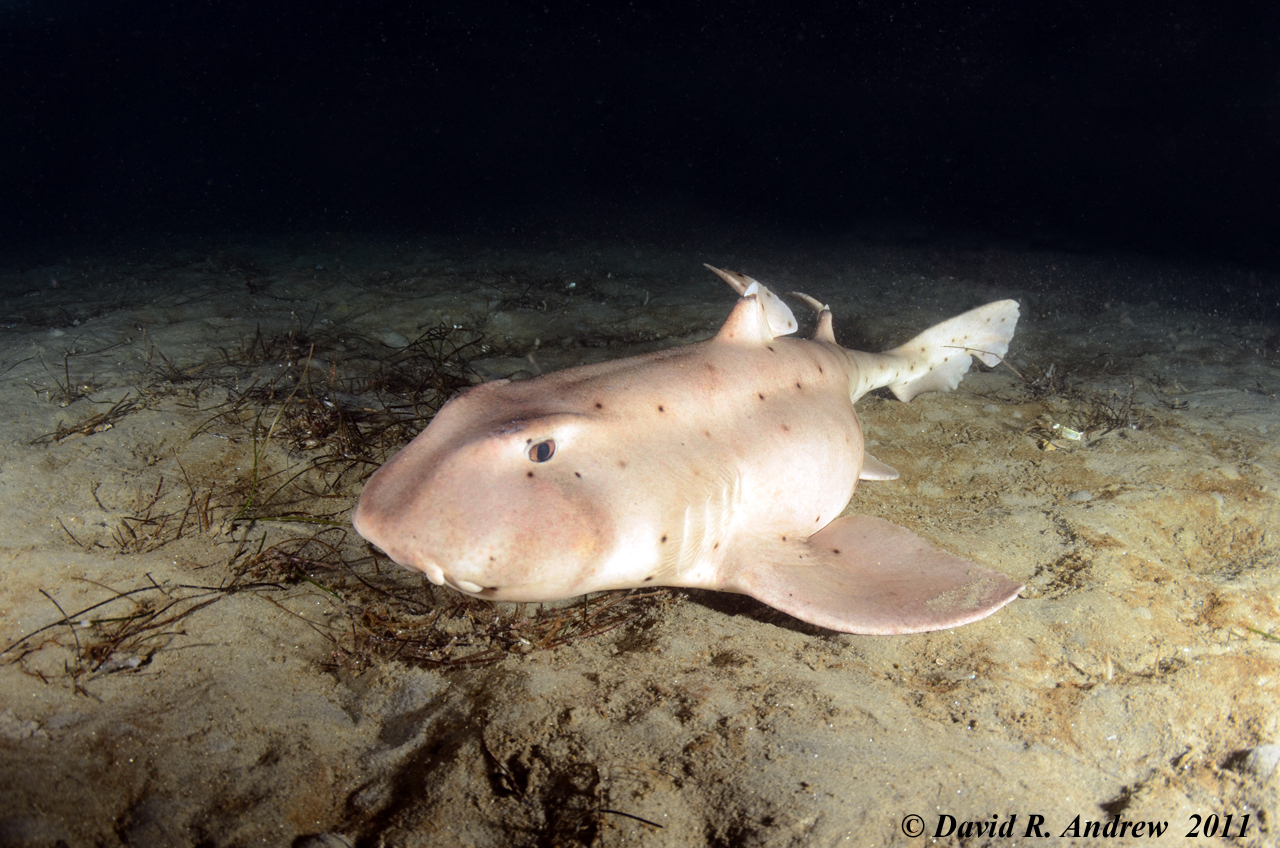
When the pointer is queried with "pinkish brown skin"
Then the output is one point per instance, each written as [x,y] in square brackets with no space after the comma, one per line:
[714,465]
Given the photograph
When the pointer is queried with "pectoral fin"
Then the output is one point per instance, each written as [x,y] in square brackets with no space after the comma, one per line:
[867,575]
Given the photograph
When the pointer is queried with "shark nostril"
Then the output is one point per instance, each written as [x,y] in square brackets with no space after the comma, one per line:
[434,572]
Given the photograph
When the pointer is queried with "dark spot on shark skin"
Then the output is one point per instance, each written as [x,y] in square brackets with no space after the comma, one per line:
[578,474]
[622,463]
[661,408]
[820,371]
[816,520]
[706,433]
[530,473]
[784,538]
[771,350]
[786,429]
[664,539]
[800,387]
[835,550]
[599,405]
[761,397]
[647,579]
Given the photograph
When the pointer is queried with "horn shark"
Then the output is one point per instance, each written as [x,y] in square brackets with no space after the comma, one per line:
[724,464]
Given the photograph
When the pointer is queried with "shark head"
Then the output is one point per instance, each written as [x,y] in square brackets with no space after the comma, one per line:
[494,500]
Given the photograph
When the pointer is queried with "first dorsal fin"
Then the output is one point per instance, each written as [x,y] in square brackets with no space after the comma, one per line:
[746,324]
[781,320]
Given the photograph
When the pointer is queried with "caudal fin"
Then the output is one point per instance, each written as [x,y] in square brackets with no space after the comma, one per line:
[937,359]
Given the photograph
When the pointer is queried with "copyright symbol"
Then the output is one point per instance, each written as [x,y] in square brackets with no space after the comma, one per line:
[913,825]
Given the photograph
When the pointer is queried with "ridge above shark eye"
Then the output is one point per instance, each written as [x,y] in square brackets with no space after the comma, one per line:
[543,450]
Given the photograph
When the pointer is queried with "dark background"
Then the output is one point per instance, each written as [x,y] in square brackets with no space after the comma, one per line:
[1084,126]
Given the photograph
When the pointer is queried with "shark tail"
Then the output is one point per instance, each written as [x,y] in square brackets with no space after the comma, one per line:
[937,359]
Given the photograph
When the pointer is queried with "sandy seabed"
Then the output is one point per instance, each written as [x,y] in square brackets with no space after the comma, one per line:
[199,651]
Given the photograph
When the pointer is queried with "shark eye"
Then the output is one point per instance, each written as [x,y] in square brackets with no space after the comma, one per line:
[542,451]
